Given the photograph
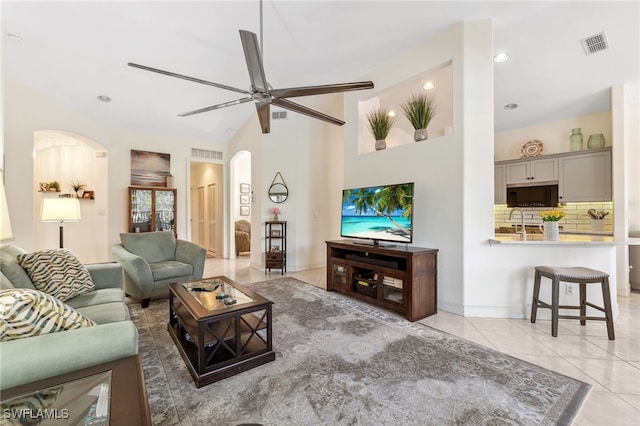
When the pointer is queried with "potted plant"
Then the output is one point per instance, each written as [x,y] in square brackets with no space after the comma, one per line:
[380,123]
[549,226]
[77,186]
[53,186]
[419,109]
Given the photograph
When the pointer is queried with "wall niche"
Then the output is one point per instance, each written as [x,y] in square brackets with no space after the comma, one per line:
[441,77]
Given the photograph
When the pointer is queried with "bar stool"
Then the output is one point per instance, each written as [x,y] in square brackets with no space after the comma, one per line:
[582,276]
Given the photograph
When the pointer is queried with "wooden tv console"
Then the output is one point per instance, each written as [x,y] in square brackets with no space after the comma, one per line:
[403,279]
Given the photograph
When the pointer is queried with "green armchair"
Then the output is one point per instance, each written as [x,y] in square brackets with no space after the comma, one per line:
[153,260]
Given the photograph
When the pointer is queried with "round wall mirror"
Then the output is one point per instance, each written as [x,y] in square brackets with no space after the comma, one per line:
[278,192]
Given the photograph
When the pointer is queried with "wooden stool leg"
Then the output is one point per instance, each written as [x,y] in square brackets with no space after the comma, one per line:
[536,294]
[555,302]
[607,308]
[583,302]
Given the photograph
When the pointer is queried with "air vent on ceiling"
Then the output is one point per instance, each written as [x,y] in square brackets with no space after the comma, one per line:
[206,154]
[594,43]
[278,115]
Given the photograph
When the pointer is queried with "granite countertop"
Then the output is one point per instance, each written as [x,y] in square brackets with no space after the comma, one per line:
[565,239]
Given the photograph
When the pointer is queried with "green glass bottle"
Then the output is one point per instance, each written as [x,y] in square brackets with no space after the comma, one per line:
[576,139]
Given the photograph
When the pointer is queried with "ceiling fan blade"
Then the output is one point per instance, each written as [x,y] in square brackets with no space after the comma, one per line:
[321,90]
[264,109]
[211,108]
[184,77]
[254,60]
[284,103]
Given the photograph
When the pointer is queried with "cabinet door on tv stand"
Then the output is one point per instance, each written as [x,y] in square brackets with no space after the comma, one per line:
[340,275]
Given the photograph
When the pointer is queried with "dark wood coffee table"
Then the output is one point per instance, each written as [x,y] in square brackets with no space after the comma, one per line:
[220,328]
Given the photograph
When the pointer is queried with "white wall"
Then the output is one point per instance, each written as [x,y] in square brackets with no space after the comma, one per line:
[27,111]
[454,183]
[435,165]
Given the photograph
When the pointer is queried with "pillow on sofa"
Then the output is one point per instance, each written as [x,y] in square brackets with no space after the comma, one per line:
[25,313]
[151,246]
[57,272]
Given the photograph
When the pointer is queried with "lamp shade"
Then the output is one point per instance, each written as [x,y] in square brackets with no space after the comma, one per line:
[60,210]
[6,233]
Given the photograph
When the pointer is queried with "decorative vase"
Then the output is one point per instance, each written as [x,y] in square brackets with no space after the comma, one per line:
[276,218]
[597,224]
[596,141]
[551,230]
[420,135]
[380,144]
[575,139]
[170,181]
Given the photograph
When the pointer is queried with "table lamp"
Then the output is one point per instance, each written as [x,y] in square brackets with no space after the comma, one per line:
[60,210]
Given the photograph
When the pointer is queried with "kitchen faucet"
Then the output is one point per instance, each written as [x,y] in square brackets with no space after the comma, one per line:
[524,231]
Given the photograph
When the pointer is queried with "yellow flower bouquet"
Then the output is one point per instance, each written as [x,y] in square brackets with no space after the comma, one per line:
[551,215]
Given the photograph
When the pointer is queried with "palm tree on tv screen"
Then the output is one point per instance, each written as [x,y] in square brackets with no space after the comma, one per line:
[383,201]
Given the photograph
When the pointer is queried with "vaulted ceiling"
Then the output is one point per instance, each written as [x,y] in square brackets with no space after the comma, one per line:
[76,51]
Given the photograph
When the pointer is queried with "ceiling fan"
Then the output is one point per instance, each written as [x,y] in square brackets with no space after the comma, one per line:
[261,91]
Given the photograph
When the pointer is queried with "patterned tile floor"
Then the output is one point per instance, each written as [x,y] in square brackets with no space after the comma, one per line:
[612,368]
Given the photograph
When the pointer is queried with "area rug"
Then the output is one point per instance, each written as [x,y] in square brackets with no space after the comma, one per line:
[343,362]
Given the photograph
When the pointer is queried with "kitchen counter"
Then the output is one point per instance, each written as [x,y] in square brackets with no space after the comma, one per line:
[565,239]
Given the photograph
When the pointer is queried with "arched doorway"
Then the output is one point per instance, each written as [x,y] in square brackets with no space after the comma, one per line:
[241,197]
[73,160]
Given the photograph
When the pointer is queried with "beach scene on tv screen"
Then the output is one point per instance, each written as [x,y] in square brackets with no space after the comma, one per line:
[378,213]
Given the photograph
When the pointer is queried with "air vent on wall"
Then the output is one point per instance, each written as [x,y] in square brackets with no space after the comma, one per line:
[594,43]
[206,154]
[278,115]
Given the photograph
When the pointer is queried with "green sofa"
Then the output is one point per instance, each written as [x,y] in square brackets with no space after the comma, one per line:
[153,260]
[39,357]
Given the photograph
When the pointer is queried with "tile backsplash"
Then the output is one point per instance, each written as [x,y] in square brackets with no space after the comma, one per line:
[576,218]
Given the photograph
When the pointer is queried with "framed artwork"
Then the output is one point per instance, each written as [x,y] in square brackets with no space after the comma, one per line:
[149,168]
[244,199]
[244,210]
[88,195]
[244,188]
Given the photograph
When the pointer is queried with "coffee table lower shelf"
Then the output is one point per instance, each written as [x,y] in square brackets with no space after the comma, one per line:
[221,370]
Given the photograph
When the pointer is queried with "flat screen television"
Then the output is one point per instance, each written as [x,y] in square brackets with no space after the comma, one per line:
[378,213]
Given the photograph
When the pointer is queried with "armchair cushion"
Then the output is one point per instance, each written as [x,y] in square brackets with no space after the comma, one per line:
[27,313]
[170,269]
[57,272]
[151,246]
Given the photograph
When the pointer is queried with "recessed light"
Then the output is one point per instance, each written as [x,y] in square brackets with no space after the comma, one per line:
[511,106]
[501,57]
[391,113]
[104,98]
[428,85]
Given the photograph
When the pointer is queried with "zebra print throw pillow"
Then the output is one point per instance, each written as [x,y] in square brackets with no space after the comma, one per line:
[57,272]
[25,313]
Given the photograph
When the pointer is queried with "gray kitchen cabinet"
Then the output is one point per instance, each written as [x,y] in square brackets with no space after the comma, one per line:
[585,177]
[532,171]
[499,185]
